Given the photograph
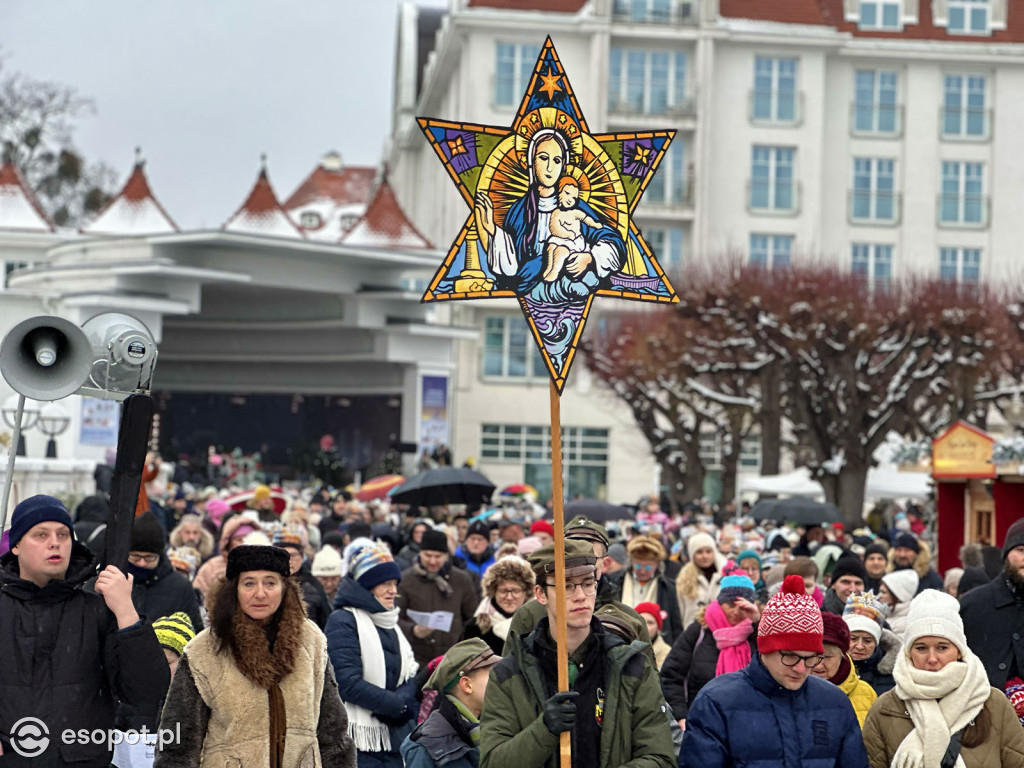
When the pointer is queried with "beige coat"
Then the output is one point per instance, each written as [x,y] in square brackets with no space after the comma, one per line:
[694,591]
[888,723]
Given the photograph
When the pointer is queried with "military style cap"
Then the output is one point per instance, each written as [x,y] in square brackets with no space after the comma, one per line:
[461,659]
[579,559]
[587,530]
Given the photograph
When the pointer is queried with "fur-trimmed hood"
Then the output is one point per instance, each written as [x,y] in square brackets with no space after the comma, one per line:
[510,568]
[206,542]
[890,644]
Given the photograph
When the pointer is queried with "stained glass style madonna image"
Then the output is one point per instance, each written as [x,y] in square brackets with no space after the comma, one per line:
[550,213]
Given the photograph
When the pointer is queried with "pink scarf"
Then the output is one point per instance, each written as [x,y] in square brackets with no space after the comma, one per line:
[733,648]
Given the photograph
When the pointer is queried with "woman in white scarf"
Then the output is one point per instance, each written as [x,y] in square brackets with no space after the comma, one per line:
[942,705]
[507,584]
[373,661]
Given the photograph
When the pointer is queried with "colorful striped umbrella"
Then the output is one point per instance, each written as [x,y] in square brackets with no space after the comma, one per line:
[378,487]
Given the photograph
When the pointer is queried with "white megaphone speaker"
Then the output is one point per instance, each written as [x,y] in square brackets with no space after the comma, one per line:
[45,358]
[123,356]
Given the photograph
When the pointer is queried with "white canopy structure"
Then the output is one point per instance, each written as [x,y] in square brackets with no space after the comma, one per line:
[882,483]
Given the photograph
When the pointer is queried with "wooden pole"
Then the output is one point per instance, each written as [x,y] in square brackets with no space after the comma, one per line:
[561,631]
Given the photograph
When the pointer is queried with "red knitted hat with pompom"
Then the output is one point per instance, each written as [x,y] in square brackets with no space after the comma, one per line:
[791,621]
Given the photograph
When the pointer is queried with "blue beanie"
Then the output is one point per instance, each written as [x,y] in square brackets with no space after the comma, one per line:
[372,565]
[35,510]
[736,586]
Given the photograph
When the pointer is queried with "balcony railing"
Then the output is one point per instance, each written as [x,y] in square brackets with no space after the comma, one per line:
[785,202]
[965,123]
[680,195]
[630,108]
[875,207]
[874,120]
[963,211]
[680,12]
[774,107]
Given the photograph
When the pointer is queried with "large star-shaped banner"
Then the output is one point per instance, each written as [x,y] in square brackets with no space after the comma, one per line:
[550,213]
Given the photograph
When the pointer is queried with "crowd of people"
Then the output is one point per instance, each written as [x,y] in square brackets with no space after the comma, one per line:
[311,629]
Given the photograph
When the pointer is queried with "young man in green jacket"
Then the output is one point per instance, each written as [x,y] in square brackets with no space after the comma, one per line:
[614,708]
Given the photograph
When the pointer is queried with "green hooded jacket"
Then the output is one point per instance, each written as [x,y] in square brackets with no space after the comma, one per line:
[635,733]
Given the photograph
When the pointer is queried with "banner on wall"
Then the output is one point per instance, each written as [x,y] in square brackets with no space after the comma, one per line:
[100,420]
[433,412]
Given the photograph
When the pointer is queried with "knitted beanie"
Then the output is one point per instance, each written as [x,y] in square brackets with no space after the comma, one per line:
[835,631]
[907,540]
[849,565]
[434,541]
[865,613]
[902,583]
[735,586]
[699,541]
[1015,693]
[173,632]
[283,537]
[877,548]
[652,609]
[35,510]
[372,565]
[748,554]
[1014,537]
[935,614]
[147,534]
[326,563]
[791,621]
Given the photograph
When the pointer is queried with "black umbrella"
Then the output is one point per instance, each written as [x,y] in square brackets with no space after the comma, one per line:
[796,509]
[444,485]
[594,510]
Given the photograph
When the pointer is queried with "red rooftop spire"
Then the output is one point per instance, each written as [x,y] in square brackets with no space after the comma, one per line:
[134,210]
[261,213]
[19,209]
[385,225]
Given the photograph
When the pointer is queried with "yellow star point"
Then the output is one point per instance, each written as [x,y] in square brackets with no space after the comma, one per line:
[550,85]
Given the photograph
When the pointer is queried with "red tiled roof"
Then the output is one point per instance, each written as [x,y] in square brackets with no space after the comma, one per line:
[348,186]
[133,210]
[830,13]
[385,224]
[261,213]
[11,179]
[556,6]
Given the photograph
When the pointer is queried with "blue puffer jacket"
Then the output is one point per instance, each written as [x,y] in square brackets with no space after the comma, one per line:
[747,720]
[395,705]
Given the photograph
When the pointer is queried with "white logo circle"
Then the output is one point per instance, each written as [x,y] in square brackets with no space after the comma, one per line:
[30,737]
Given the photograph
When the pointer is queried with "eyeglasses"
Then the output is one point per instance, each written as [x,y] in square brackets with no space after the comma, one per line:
[792,659]
[644,566]
[589,587]
[148,559]
[510,592]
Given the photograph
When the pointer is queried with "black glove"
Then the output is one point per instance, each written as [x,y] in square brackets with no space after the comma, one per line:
[560,711]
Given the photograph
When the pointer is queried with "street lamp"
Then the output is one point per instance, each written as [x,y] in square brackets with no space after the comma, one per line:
[30,414]
[54,420]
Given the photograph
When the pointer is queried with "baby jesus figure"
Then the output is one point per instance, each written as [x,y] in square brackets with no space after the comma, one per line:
[566,231]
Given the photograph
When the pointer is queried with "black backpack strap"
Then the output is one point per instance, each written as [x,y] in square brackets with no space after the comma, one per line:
[952,751]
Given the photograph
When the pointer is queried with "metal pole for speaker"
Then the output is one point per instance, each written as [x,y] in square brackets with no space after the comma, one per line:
[9,477]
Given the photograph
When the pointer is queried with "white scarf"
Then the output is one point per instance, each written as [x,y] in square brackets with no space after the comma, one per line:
[369,733]
[940,704]
[500,624]
[633,594]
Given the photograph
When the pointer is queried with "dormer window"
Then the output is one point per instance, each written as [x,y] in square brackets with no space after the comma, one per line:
[880,14]
[310,220]
[969,17]
[348,220]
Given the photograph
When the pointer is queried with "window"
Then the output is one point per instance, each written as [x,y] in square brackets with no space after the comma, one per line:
[880,14]
[963,110]
[647,82]
[667,244]
[710,449]
[514,66]
[961,201]
[750,453]
[968,17]
[309,220]
[657,11]
[772,185]
[874,197]
[874,107]
[873,263]
[960,265]
[510,351]
[584,456]
[774,98]
[669,183]
[771,251]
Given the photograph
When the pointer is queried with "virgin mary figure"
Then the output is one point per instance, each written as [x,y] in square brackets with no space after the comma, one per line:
[516,250]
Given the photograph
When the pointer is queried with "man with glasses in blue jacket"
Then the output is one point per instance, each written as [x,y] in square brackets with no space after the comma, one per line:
[774,712]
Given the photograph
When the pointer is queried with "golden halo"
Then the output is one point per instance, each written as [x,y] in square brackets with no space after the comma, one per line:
[553,119]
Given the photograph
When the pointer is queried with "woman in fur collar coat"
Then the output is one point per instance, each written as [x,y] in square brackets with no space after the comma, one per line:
[373,661]
[256,689]
[507,585]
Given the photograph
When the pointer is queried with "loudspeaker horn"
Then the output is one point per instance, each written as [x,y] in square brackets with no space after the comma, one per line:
[45,358]
[123,356]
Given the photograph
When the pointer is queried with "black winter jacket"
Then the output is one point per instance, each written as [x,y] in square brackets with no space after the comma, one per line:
[994,624]
[64,661]
[690,665]
[318,607]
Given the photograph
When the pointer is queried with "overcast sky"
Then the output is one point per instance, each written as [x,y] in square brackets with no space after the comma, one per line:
[205,87]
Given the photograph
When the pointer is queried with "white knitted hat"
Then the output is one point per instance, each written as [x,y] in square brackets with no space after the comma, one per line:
[327,562]
[858,623]
[935,614]
[903,584]
[699,541]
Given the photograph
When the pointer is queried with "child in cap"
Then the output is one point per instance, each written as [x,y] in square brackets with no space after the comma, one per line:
[654,617]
